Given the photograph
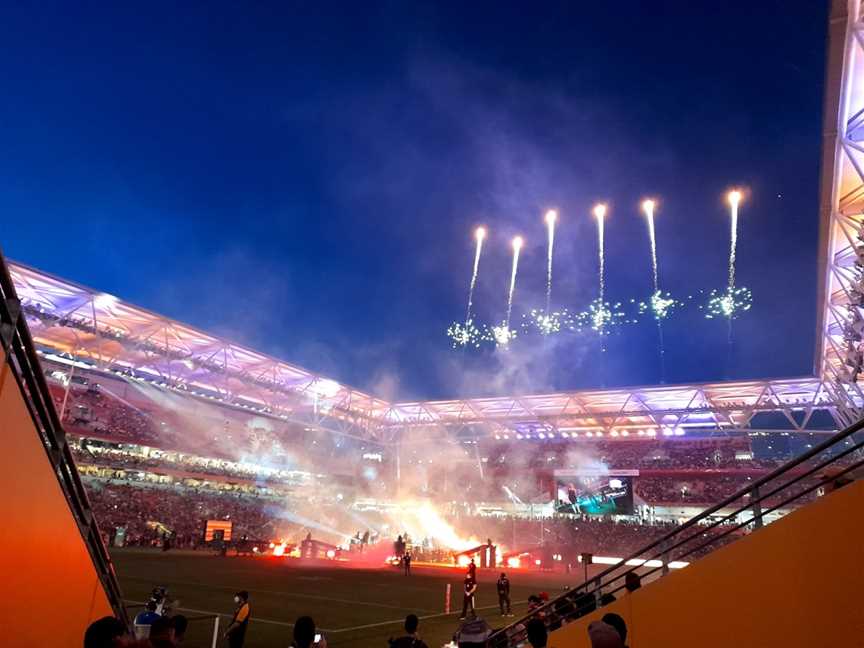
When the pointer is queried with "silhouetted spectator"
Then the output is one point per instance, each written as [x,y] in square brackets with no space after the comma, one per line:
[603,635]
[473,634]
[162,633]
[606,599]
[180,624]
[537,635]
[617,622]
[412,638]
[104,633]
[305,635]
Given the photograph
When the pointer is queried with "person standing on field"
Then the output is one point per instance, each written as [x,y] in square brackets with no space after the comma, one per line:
[503,586]
[469,588]
[236,632]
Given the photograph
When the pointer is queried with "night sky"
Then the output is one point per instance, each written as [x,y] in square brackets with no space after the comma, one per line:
[305,177]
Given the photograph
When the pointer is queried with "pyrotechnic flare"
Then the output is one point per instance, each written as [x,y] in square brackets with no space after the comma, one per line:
[479,235]
[551,217]
[517,246]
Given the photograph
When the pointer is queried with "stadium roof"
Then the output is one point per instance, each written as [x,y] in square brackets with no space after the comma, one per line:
[74,322]
[68,318]
[718,406]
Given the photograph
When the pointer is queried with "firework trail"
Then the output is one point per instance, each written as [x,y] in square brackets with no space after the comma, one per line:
[734,200]
[479,235]
[600,214]
[648,207]
[517,245]
[729,300]
[551,217]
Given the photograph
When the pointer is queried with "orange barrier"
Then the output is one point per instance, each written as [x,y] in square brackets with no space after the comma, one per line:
[52,588]
[796,582]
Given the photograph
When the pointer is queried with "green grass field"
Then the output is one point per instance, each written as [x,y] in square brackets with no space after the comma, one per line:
[354,607]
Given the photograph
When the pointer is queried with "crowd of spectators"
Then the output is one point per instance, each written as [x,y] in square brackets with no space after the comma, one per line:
[670,453]
[702,490]
[146,515]
[89,411]
[131,458]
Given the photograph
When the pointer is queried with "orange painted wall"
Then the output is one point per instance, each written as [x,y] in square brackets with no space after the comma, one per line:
[796,582]
[50,588]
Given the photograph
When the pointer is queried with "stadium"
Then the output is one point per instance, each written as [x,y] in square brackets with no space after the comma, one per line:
[195,464]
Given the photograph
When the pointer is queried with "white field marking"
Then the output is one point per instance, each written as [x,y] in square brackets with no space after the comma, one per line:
[290,594]
[422,618]
[227,616]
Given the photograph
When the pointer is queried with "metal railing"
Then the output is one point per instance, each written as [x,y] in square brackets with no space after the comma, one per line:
[19,352]
[829,464]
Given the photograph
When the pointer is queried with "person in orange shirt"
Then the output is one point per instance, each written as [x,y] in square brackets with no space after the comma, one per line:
[236,632]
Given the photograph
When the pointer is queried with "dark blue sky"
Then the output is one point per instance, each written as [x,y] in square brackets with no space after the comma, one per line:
[304,177]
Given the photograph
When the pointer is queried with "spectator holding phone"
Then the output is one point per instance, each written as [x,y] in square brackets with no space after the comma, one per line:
[305,635]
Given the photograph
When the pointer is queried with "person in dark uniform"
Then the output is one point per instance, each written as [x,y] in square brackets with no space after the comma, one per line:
[472,570]
[573,497]
[406,562]
[503,586]
[236,632]
[469,588]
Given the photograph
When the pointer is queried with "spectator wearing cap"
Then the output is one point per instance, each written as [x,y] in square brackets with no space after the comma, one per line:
[603,635]
[473,634]
[145,619]
[617,622]
[236,632]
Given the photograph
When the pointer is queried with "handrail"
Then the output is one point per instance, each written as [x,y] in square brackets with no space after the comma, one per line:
[677,537]
[20,354]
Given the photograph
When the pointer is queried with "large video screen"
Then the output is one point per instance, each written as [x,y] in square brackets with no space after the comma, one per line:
[595,495]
